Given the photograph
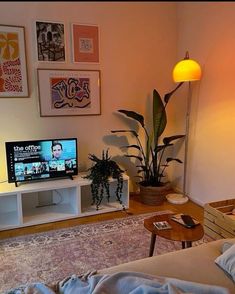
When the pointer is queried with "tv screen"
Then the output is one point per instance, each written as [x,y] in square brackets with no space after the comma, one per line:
[41,159]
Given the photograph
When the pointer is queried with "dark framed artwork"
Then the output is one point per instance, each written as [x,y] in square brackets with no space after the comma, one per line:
[50,41]
[69,92]
[13,67]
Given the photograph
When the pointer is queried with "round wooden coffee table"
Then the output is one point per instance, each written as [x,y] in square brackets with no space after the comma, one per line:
[177,233]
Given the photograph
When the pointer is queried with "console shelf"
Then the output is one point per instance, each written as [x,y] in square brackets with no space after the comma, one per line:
[49,201]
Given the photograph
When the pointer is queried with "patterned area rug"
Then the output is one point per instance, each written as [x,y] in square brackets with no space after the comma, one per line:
[51,256]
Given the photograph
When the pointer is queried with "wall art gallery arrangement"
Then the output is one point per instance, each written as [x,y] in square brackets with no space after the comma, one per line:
[62,92]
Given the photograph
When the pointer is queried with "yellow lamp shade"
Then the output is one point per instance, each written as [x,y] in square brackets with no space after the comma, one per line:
[187,70]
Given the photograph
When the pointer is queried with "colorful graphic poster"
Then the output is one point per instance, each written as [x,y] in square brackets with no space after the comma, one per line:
[70,92]
[13,77]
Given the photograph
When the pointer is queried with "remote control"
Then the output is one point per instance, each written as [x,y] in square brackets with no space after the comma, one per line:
[187,219]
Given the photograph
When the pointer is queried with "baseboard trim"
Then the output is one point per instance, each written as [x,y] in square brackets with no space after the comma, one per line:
[193,199]
[198,202]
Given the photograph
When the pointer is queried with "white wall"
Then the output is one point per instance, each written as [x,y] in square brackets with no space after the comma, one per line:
[137,53]
[207,30]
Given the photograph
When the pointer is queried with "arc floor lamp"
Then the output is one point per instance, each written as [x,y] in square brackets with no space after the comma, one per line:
[186,70]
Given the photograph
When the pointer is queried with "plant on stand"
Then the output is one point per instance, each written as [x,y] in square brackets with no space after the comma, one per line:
[100,173]
[151,160]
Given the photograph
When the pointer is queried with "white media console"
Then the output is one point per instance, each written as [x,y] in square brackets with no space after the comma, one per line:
[49,201]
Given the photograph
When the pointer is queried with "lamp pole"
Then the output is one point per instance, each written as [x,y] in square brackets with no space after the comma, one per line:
[189,101]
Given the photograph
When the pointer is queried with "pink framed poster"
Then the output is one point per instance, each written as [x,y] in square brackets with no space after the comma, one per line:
[85,43]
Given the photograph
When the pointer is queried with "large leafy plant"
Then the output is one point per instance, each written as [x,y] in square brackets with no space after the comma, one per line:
[151,160]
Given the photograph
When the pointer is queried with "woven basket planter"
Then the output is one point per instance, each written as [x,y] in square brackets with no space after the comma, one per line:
[154,195]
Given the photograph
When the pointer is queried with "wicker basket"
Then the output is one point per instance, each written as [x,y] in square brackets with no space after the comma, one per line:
[154,195]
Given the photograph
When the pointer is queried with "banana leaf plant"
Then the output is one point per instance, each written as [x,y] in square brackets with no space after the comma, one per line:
[151,168]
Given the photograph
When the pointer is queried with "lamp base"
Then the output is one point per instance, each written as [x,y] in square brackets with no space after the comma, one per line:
[176,198]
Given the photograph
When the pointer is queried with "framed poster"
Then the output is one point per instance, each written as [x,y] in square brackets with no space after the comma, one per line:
[85,43]
[50,41]
[13,68]
[69,92]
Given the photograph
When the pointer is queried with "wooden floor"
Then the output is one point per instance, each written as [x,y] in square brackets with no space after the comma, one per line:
[136,207]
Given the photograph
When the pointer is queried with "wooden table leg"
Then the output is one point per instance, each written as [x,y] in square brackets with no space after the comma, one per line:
[152,244]
[186,244]
[189,244]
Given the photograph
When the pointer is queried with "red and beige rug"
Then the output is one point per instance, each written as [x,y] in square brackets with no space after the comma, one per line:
[51,256]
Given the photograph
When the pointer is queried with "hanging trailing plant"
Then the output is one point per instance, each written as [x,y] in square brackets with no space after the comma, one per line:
[100,174]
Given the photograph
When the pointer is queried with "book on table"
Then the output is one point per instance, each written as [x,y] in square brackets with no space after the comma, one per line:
[162,225]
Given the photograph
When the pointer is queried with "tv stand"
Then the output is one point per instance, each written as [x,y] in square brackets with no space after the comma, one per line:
[48,201]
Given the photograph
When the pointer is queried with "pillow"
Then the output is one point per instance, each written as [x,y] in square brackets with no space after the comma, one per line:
[226,246]
[227,261]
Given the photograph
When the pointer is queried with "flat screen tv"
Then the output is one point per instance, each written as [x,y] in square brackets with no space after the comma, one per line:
[41,159]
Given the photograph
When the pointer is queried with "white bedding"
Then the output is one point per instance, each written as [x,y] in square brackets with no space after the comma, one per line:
[121,283]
